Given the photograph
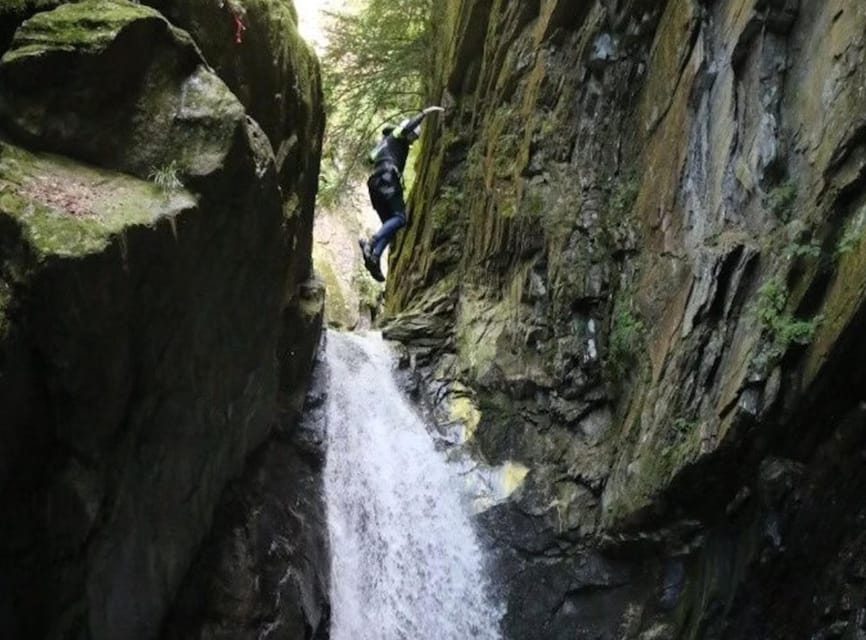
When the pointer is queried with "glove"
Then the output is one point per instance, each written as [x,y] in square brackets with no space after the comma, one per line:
[433,109]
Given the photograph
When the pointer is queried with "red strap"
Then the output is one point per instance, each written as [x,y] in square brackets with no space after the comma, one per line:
[240,27]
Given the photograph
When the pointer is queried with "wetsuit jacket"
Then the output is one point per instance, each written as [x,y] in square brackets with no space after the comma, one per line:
[389,161]
[393,149]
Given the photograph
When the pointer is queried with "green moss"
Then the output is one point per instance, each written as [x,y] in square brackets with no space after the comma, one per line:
[660,460]
[845,295]
[90,25]
[548,124]
[685,426]
[626,338]
[850,240]
[445,210]
[675,455]
[55,233]
[782,327]
[556,204]
[624,194]
[369,293]
[68,209]
[14,10]
[337,311]
[475,164]
[780,201]
[504,156]
[533,203]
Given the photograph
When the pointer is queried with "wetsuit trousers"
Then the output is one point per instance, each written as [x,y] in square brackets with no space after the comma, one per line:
[382,238]
[386,196]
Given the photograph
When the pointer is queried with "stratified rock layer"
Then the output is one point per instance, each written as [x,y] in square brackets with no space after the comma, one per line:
[154,322]
[635,254]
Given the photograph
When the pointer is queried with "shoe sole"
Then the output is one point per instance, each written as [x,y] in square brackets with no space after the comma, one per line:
[369,264]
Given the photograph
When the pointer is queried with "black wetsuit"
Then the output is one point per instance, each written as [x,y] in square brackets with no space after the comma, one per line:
[385,183]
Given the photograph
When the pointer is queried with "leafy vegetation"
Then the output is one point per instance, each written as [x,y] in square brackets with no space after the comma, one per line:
[627,332]
[624,194]
[166,177]
[369,292]
[374,66]
[810,249]
[780,201]
[783,328]
[683,426]
[446,207]
[850,240]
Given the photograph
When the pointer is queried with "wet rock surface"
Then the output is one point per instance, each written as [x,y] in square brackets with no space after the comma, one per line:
[264,570]
[635,269]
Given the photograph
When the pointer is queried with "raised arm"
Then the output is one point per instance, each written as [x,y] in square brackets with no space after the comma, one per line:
[408,128]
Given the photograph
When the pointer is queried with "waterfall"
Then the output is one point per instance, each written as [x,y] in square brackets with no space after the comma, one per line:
[406,562]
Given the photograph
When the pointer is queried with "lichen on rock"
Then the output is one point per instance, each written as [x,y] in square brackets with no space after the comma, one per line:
[644,217]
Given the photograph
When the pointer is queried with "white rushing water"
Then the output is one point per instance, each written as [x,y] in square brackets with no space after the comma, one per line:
[406,561]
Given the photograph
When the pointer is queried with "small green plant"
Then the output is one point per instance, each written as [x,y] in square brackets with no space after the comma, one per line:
[784,329]
[447,207]
[850,240]
[625,193]
[809,249]
[533,203]
[626,337]
[548,125]
[780,201]
[452,195]
[683,426]
[166,177]
[772,298]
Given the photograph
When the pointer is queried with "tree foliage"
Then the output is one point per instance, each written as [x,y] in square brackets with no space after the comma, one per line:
[374,66]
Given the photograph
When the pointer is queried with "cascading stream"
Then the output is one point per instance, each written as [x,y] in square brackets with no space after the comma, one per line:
[406,562]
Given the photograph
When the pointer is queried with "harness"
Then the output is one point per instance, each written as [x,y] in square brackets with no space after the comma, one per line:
[387,166]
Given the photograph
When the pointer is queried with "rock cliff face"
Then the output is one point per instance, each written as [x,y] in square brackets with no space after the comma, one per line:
[157,182]
[635,266]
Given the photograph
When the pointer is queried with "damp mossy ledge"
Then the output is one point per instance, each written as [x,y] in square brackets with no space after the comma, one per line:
[67,209]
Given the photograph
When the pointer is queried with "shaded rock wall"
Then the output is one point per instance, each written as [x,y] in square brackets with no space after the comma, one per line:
[264,570]
[634,255]
[156,325]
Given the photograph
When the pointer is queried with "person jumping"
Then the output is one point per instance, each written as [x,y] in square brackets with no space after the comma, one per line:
[385,185]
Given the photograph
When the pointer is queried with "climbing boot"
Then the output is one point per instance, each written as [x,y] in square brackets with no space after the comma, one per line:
[371,262]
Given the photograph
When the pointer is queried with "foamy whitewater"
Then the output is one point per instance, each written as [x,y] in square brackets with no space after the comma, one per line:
[406,562]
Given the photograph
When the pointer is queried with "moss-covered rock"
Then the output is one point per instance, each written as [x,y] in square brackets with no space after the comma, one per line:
[66,209]
[114,84]
[155,324]
[275,75]
[14,12]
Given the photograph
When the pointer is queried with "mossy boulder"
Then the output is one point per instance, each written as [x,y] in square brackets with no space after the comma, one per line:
[14,12]
[154,323]
[114,84]
[275,75]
